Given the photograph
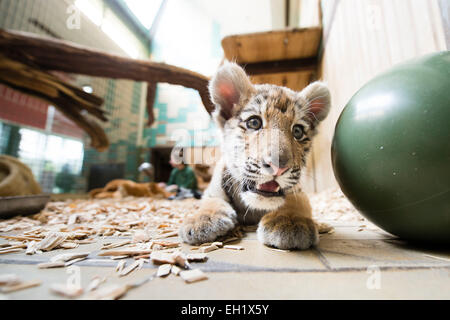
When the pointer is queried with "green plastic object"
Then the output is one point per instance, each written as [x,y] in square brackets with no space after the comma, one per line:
[391,150]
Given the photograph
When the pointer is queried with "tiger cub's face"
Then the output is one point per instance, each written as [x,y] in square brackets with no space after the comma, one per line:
[266,132]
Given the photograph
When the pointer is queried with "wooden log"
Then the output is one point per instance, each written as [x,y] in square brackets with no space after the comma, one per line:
[59,55]
[151,95]
[71,101]
[273,45]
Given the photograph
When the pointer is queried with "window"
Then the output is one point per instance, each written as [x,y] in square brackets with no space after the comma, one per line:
[92,9]
[48,155]
[112,26]
[144,11]
[120,35]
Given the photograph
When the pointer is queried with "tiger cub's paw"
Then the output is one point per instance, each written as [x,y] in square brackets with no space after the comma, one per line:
[287,231]
[214,219]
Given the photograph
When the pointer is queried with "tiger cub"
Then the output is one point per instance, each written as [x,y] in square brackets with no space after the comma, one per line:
[266,135]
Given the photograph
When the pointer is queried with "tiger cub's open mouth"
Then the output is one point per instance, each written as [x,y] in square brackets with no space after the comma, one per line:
[267,189]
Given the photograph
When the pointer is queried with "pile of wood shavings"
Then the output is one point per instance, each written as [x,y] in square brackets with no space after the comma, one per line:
[79,221]
[147,228]
[331,204]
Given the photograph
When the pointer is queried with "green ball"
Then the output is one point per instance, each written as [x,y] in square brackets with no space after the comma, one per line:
[391,150]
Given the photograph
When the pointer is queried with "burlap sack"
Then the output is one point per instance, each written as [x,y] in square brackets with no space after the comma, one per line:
[16,179]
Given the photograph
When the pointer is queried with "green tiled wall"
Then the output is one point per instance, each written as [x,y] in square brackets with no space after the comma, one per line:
[122,97]
[195,46]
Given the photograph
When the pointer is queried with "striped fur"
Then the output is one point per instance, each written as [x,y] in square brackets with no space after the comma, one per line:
[234,194]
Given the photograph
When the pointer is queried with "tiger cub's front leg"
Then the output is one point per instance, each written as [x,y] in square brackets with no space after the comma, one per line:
[215,218]
[290,227]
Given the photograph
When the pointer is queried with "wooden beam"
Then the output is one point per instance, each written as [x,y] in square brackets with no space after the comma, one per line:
[70,100]
[258,68]
[287,44]
[54,54]
[151,95]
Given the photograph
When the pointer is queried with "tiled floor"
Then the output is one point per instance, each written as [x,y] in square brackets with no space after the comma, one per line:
[350,263]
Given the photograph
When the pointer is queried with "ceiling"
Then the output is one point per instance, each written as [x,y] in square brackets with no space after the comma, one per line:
[244,16]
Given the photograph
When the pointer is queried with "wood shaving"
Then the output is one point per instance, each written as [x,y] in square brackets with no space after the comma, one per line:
[140,264]
[217,244]
[195,275]
[167,235]
[208,248]
[23,238]
[324,228]
[118,257]
[51,241]
[144,256]
[69,245]
[85,241]
[48,265]
[233,247]
[124,252]
[167,244]
[180,259]
[15,246]
[8,250]
[120,265]
[130,268]
[279,250]
[71,262]
[66,291]
[196,257]
[21,286]
[162,258]
[64,257]
[9,279]
[175,270]
[72,219]
[141,236]
[163,270]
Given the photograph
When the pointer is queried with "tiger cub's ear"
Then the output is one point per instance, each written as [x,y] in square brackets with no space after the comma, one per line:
[318,101]
[229,87]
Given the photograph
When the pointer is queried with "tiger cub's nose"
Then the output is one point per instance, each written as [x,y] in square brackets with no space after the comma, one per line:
[273,169]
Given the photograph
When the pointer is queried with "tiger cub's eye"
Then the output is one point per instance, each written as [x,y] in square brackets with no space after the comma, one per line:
[254,123]
[297,131]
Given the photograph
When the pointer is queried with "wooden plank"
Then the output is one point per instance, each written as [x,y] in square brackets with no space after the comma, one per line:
[304,64]
[273,45]
[293,80]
